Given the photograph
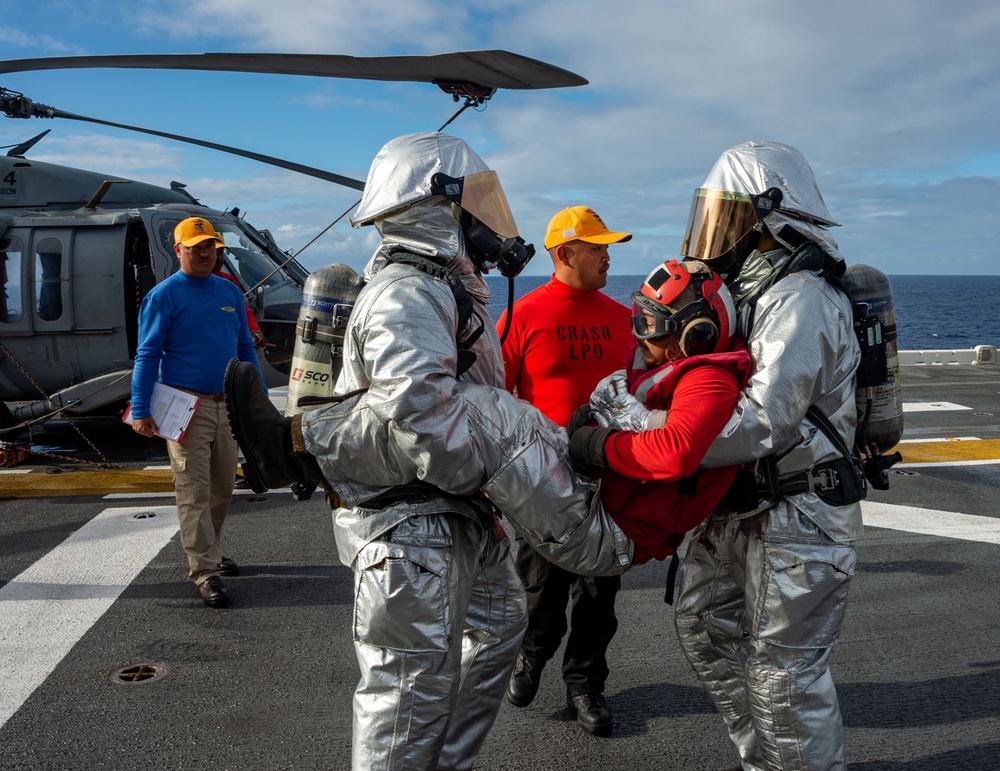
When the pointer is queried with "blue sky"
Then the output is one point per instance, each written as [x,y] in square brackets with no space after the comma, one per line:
[896,105]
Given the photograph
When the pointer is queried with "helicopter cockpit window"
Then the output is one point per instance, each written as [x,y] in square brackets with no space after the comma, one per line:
[250,265]
[10,281]
[270,278]
[48,279]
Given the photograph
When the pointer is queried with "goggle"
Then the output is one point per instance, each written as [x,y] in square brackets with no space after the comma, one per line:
[652,321]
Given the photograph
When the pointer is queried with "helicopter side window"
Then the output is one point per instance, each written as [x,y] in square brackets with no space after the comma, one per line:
[10,281]
[254,267]
[48,279]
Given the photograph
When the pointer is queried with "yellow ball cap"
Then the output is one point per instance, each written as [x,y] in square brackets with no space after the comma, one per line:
[193,231]
[580,223]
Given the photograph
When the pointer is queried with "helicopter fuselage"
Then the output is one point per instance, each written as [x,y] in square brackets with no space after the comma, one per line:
[78,255]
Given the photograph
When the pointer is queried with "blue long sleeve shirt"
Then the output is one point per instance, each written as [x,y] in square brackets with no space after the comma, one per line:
[189,329]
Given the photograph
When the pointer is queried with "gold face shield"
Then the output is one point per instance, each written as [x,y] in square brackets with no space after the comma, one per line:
[719,219]
[480,195]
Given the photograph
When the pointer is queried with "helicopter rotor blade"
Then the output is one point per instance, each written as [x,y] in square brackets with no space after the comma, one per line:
[488,69]
[329,176]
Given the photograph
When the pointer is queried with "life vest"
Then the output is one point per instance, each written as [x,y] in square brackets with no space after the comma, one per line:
[654,514]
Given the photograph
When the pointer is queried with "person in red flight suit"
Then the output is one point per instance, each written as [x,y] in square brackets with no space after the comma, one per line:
[678,390]
[259,338]
[563,338]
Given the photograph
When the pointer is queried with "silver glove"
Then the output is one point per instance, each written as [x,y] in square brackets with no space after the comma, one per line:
[614,407]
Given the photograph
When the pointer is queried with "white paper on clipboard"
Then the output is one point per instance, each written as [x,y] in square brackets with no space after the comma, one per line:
[172,410]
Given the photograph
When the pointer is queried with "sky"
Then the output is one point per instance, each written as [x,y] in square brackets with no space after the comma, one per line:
[896,105]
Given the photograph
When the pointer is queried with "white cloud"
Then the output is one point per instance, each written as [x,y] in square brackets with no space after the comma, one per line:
[11,37]
[894,103]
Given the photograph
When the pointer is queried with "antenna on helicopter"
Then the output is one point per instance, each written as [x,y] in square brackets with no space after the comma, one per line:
[18,151]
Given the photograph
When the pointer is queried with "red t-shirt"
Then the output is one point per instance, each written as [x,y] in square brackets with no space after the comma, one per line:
[562,341]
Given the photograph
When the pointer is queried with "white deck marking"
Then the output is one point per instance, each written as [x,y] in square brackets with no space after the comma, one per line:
[15,470]
[47,609]
[942,439]
[932,407]
[946,524]
[932,463]
[137,496]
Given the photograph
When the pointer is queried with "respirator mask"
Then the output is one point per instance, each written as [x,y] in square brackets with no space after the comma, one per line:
[487,223]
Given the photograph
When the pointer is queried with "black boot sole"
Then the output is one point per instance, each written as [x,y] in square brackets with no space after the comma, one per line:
[237,391]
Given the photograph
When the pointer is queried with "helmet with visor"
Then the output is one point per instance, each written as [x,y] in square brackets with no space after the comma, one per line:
[686,300]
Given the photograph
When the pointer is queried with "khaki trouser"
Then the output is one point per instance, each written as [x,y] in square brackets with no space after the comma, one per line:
[204,466]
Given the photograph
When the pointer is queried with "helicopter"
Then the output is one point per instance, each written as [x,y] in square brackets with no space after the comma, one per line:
[79,250]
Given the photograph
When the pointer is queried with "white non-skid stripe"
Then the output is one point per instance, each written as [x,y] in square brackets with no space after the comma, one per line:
[47,609]
[941,439]
[135,496]
[946,524]
[932,407]
[932,463]
[15,470]
[139,496]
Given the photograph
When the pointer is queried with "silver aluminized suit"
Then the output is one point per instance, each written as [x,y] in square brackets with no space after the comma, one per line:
[439,608]
[763,593]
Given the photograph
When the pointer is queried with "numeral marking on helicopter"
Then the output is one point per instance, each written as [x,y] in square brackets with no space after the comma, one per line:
[10,179]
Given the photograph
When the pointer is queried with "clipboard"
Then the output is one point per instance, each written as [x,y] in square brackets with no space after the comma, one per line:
[171,408]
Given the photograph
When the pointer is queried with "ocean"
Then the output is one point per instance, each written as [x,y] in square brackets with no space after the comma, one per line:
[932,312]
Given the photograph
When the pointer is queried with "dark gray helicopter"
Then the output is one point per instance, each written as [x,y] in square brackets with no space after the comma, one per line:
[79,250]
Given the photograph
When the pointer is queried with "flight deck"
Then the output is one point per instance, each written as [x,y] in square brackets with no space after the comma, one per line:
[93,588]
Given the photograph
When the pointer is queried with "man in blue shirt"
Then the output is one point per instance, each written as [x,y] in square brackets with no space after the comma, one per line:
[190,326]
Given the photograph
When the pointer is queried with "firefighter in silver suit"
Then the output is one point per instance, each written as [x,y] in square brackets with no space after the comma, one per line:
[425,431]
[763,586]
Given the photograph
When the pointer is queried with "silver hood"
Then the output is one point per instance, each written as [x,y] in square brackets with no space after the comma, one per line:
[756,166]
[400,175]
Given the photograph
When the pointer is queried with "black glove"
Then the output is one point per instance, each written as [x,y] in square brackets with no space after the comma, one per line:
[586,447]
[580,418]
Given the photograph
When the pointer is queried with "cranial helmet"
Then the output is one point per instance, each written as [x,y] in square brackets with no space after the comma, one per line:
[750,185]
[415,168]
[687,300]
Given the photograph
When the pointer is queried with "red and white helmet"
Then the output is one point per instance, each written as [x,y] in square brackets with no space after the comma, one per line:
[704,325]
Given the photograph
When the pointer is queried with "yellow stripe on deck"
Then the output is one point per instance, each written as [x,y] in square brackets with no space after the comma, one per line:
[39,484]
[944,451]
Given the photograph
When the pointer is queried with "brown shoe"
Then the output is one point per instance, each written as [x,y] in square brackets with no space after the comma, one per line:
[228,567]
[213,592]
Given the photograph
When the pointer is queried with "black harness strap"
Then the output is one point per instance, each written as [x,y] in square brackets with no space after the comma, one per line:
[463,301]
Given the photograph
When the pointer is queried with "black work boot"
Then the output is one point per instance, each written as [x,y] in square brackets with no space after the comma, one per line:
[523,683]
[264,434]
[591,712]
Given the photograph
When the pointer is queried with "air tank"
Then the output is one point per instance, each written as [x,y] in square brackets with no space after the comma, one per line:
[879,392]
[327,300]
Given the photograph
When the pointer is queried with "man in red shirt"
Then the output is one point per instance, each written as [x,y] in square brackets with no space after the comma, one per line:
[564,338]
[220,262]
[229,567]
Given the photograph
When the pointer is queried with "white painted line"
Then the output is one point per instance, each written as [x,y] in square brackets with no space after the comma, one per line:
[932,463]
[139,496]
[946,524]
[135,496]
[47,609]
[932,407]
[156,468]
[16,470]
[942,439]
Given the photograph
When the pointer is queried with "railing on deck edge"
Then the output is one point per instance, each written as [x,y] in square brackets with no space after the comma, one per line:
[981,354]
